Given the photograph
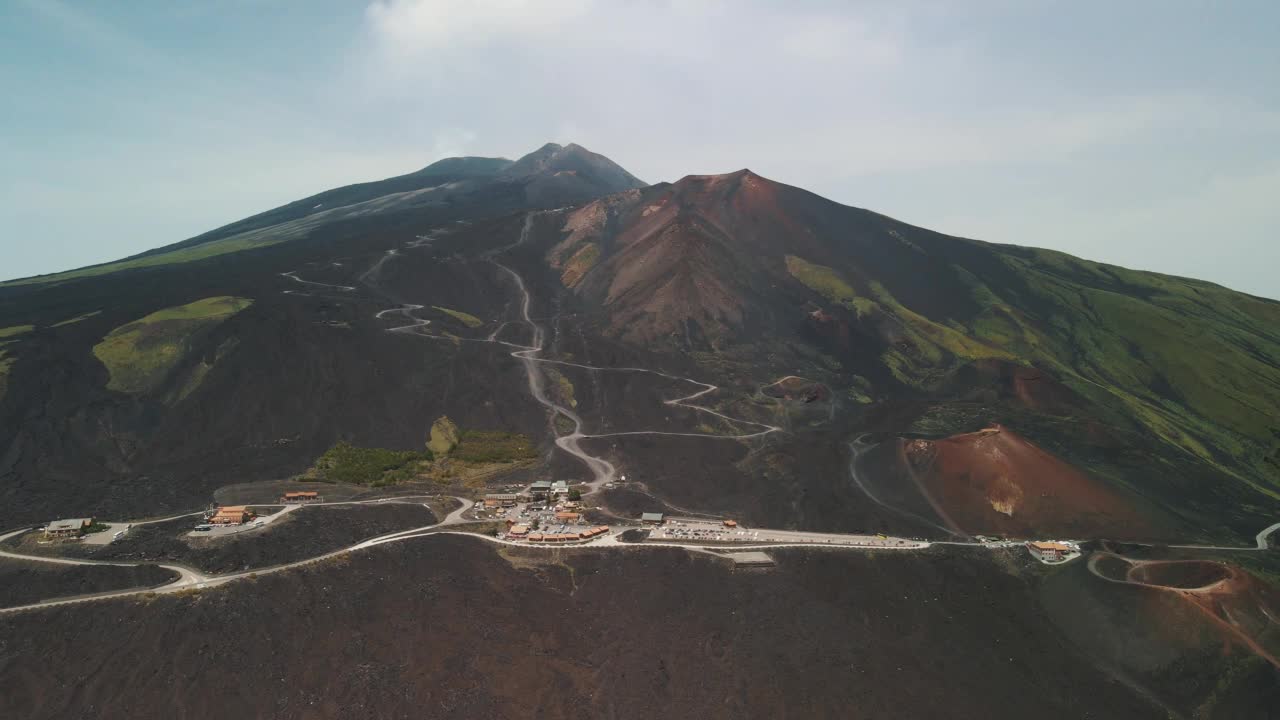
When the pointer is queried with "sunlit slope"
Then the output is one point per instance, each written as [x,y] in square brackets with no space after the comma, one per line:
[1197,364]
[739,270]
[551,176]
[140,355]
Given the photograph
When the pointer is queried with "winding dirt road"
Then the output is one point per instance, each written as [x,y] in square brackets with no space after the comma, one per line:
[602,470]
[191,579]
[1260,539]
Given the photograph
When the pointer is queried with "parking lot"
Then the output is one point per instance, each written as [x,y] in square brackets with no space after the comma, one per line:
[701,530]
[212,531]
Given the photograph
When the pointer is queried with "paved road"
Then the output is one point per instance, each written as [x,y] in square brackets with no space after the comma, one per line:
[1260,539]
[186,576]
[602,470]
[713,533]
[189,578]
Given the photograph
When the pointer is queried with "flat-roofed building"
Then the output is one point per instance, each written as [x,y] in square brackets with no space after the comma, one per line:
[69,528]
[500,500]
[566,516]
[560,487]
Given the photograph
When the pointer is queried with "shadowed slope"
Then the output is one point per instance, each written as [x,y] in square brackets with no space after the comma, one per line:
[584,635]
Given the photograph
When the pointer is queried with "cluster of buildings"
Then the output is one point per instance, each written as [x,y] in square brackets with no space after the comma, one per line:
[541,490]
[548,490]
[543,513]
[522,532]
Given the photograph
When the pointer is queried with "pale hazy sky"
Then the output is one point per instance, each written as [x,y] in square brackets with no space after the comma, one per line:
[1141,133]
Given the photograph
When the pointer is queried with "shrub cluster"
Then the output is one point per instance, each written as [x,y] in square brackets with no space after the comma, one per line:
[347,463]
[481,446]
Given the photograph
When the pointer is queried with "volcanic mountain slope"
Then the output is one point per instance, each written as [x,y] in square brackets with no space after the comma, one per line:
[128,382]
[1152,622]
[464,187]
[123,385]
[1127,405]
[1163,385]
[995,482]
[618,633]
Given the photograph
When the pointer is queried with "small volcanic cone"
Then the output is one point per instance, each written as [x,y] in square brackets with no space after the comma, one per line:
[996,482]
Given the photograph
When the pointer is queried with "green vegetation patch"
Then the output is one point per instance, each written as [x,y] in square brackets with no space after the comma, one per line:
[140,354]
[490,446]
[821,279]
[77,318]
[444,436]
[561,387]
[183,255]
[467,319]
[196,375]
[1194,363]
[375,467]
[6,364]
[579,264]
[827,282]
[15,330]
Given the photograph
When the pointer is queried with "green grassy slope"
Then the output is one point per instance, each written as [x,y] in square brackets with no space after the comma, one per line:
[183,255]
[140,354]
[1193,363]
[465,318]
[248,233]
[1197,364]
[15,330]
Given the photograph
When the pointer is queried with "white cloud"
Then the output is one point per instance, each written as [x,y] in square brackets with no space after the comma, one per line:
[1220,228]
[451,142]
[408,27]
[826,38]
[954,115]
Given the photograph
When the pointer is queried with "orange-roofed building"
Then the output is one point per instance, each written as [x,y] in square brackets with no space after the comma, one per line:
[1049,550]
[300,496]
[231,515]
